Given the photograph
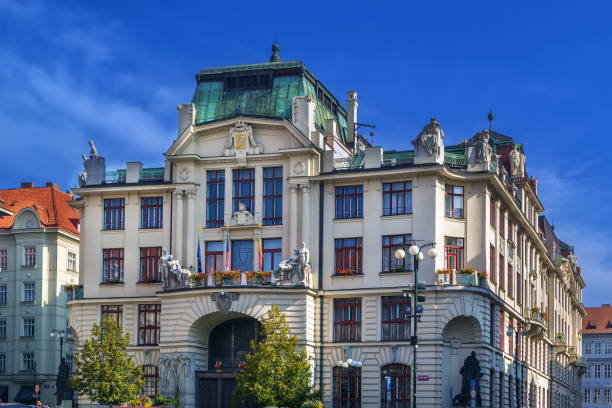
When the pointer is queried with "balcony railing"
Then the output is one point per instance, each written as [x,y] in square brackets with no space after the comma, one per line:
[153,174]
[454,277]
[233,278]
[146,176]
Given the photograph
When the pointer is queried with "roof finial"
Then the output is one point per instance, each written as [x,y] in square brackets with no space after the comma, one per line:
[275,49]
[490,117]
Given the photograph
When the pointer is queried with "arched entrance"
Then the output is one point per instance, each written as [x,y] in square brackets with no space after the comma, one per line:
[228,345]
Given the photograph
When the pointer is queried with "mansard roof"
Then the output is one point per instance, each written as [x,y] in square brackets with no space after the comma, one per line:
[49,203]
[263,90]
[598,320]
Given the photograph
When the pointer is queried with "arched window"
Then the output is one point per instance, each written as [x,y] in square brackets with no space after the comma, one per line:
[230,342]
[395,386]
[150,374]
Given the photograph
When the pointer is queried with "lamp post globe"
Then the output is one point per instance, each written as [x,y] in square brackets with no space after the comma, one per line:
[413,250]
[400,254]
[432,253]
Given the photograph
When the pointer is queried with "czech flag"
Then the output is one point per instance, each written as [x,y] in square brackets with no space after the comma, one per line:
[199,254]
[228,252]
[260,254]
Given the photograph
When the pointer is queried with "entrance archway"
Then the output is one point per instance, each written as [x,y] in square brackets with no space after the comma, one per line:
[229,343]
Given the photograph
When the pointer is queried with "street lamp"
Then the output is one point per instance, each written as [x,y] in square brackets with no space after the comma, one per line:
[519,329]
[61,334]
[416,252]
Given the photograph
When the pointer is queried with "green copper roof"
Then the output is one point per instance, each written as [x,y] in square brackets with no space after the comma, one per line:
[289,79]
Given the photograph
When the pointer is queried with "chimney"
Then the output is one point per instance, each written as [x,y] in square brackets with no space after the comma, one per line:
[52,185]
[351,115]
[27,184]
[132,172]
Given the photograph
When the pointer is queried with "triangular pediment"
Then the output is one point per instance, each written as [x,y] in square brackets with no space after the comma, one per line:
[259,135]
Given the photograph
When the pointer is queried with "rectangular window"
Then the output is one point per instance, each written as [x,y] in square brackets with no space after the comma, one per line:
[149,264]
[148,324]
[2,362]
[347,387]
[271,253]
[215,198]
[214,257]
[492,272]
[597,399]
[3,294]
[71,261]
[151,212]
[510,283]
[390,244]
[30,256]
[607,370]
[28,328]
[510,230]
[454,253]
[113,312]
[519,288]
[29,292]
[28,363]
[349,202]
[608,347]
[607,396]
[348,256]
[502,263]
[242,255]
[273,196]
[597,373]
[112,265]
[597,347]
[587,347]
[502,223]
[395,319]
[3,258]
[492,211]
[453,203]
[244,190]
[70,362]
[347,320]
[587,395]
[397,198]
[2,329]
[510,337]
[114,213]
[151,381]
[501,331]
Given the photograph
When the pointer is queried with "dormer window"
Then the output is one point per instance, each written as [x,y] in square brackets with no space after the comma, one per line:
[591,325]
[252,81]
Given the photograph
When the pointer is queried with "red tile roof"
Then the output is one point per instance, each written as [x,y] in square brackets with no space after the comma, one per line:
[50,203]
[598,320]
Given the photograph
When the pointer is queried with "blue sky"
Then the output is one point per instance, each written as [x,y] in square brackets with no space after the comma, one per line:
[114,72]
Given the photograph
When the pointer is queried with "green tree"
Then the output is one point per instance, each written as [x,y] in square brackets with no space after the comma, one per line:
[276,373]
[103,370]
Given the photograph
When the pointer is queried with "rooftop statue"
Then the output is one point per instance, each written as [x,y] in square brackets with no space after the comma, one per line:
[517,163]
[172,275]
[95,167]
[430,142]
[482,149]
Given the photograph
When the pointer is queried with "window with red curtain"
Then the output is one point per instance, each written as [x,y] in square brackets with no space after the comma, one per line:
[510,283]
[501,223]
[148,324]
[492,211]
[149,264]
[492,272]
[348,256]
[395,386]
[112,265]
[519,288]
[347,319]
[113,312]
[347,387]
[501,272]
[454,253]
[214,261]
[501,330]
[395,320]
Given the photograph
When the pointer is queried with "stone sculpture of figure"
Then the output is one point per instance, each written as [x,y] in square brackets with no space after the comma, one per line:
[517,163]
[93,152]
[173,276]
[95,167]
[430,140]
[242,216]
[303,270]
[61,383]
[482,149]
[470,371]
[224,300]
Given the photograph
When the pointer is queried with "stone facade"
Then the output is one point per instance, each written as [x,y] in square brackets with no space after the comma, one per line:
[336,195]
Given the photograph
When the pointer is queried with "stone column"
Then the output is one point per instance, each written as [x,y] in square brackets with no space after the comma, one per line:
[293,217]
[306,220]
[180,196]
[190,231]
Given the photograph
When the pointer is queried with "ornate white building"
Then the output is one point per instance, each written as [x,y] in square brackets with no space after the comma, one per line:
[266,158]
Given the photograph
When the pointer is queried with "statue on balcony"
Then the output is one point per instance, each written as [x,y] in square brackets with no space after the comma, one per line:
[242,216]
[296,269]
[470,371]
[172,275]
[95,167]
[517,163]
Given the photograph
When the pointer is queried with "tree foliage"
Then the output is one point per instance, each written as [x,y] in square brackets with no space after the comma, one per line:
[103,370]
[276,373]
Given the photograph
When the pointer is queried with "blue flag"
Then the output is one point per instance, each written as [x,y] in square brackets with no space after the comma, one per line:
[199,255]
